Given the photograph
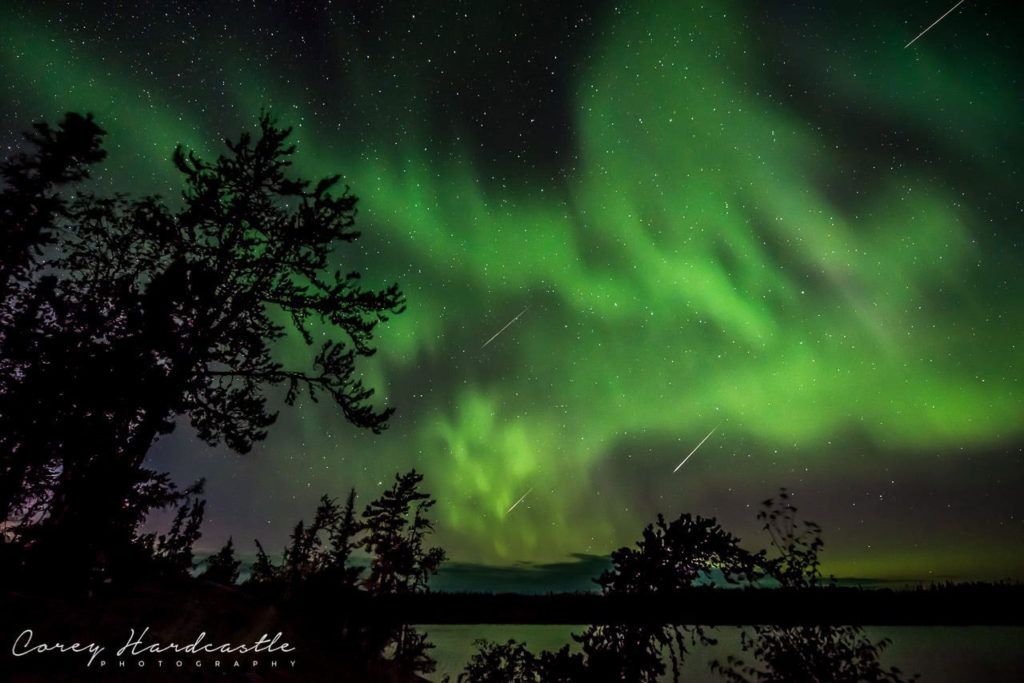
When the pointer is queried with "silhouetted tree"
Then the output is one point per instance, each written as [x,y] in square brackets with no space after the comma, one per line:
[30,201]
[678,555]
[223,567]
[808,654]
[173,550]
[798,654]
[263,572]
[561,666]
[409,648]
[343,536]
[512,661]
[796,544]
[317,555]
[501,663]
[31,207]
[317,562]
[669,557]
[396,526]
[150,313]
[306,556]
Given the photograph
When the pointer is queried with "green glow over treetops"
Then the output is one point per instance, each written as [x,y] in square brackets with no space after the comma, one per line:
[716,255]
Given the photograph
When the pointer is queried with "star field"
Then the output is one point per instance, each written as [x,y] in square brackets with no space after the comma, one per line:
[777,223]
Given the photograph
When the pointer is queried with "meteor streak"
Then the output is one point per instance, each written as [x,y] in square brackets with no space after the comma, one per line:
[504,328]
[933,24]
[694,450]
[518,501]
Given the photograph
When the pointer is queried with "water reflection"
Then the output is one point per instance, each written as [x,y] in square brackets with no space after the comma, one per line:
[940,654]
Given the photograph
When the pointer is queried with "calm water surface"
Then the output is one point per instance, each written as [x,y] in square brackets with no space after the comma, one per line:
[940,654]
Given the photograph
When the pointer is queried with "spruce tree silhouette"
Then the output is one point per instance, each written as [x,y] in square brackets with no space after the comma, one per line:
[31,371]
[305,555]
[149,314]
[343,542]
[31,203]
[316,566]
[31,200]
[263,573]
[173,550]
[396,526]
[400,563]
[317,555]
[223,567]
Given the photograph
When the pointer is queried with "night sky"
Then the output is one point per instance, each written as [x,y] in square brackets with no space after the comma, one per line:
[771,220]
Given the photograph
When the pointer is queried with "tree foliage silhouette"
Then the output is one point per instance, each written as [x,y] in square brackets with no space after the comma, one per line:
[396,527]
[317,555]
[263,572]
[808,653]
[306,556]
[494,662]
[393,530]
[223,567]
[669,557]
[674,557]
[512,661]
[31,203]
[173,550]
[31,199]
[149,313]
[343,542]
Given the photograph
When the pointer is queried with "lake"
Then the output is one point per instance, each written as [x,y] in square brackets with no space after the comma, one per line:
[940,654]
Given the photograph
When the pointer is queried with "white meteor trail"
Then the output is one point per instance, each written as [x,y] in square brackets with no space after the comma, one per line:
[518,502]
[933,24]
[694,450]
[504,328]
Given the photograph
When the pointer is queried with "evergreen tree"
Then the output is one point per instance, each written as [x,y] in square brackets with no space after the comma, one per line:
[31,204]
[173,550]
[31,201]
[344,540]
[307,556]
[318,553]
[223,567]
[396,525]
[150,314]
[263,571]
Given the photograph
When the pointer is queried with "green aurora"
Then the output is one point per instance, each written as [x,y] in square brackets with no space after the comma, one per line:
[808,240]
